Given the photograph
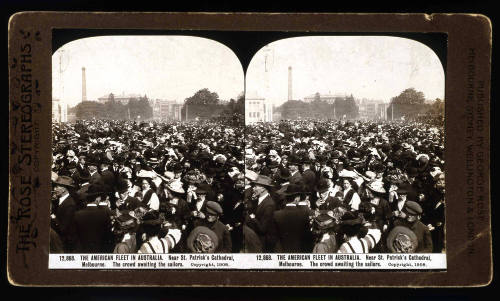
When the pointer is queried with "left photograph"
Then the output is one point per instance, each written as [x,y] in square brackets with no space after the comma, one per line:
[147,146]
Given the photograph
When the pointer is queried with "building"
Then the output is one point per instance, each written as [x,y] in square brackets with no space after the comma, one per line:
[329,98]
[166,109]
[382,111]
[59,111]
[122,98]
[370,109]
[257,109]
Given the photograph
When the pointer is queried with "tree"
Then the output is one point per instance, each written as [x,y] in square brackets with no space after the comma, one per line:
[203,97]
[203,104]
[408,104]
[89,110]
[140,107]
[409,96]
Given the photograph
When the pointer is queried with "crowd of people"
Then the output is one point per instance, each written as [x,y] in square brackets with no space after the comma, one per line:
[147,187]
[302,186]
[344,187]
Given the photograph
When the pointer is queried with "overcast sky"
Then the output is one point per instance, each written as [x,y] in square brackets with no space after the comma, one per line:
[164,67]
[373,67]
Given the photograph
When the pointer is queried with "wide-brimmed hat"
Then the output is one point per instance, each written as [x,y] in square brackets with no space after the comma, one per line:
[202,240]
[263,180]
[175,186]
[251,175]
[62,180]
[324,219]
[348,174]
[402,240]
[376,186]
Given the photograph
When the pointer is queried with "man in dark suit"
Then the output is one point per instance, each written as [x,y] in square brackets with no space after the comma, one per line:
[308,176]
[93,224]
[64,208]
[107,177]
[293,165]
[409,219]
[261,219]
[213,212]
[292,223]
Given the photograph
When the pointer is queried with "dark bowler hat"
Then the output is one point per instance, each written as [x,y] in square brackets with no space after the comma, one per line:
[293,160]
[213,208]
[294,189]
[412,208]
[284,174]
[322,185]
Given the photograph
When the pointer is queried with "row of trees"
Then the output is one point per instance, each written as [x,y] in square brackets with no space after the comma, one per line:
[320,109]
[136,108]
[204,104]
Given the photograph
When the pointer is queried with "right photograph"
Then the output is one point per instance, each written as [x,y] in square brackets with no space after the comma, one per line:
[344,147]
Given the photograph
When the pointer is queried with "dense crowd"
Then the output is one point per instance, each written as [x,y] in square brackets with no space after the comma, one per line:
[147,187]
[344,186]
[291,187]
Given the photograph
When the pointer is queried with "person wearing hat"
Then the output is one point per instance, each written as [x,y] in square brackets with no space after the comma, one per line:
[172,203]
[260,219]
[124,230]
[380,210]
[93,223]
[282,179]
[308,176]
[401,240]
[63,210]
[351,228]
[293,166]
[126,200]
[202,240]
[154,243]
[434,212]
[326,199]
[410,219]
[148,196]
[350,196]
[291,224]
[399,202]
[213,211]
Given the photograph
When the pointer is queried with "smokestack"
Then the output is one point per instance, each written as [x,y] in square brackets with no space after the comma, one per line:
[290,83]
[84,85]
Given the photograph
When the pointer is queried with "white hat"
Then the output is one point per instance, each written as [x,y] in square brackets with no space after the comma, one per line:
[175,186]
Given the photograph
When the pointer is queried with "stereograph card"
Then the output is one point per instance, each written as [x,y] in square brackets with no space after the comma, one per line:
[249,149]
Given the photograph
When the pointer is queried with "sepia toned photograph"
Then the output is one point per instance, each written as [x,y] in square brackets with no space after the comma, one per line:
[249,149]
[147,147]
[345,146]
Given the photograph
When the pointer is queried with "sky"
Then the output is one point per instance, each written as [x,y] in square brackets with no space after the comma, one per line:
[372,67]
[162,67]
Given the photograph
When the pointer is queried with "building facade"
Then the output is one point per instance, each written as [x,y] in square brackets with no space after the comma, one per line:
[257,110]
[122,98]
[329,98]
[166,110]
[59,111]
